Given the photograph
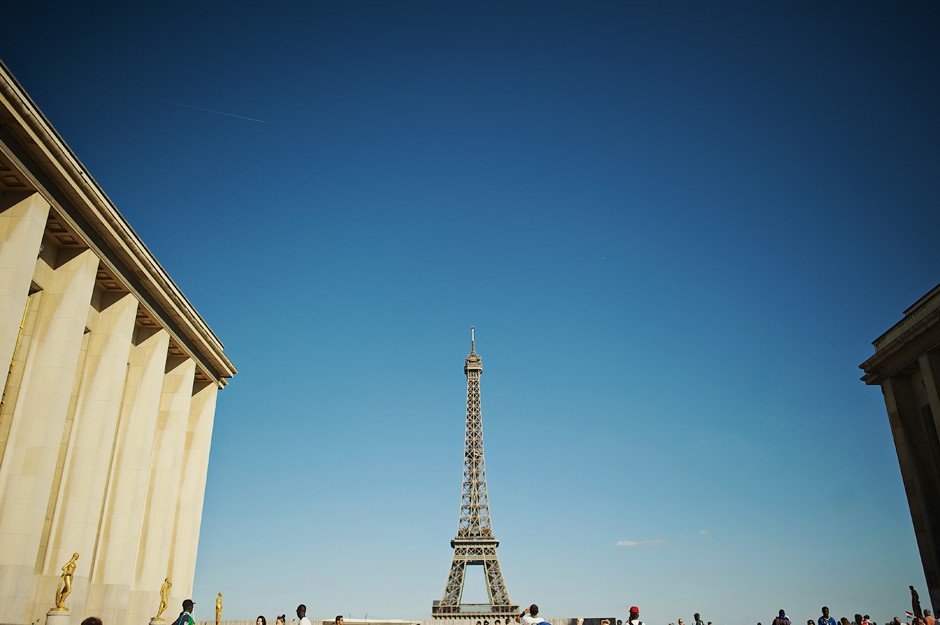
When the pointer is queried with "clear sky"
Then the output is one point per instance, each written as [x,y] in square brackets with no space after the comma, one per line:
[677,228]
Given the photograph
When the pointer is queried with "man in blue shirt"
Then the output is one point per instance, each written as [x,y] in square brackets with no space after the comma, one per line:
[825,619]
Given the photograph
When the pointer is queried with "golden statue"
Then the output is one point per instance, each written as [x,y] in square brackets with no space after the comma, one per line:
[164,591]
[218,608]
[65,585]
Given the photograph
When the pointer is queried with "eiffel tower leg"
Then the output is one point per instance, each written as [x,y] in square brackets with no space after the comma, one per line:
[453,591]
[495,585]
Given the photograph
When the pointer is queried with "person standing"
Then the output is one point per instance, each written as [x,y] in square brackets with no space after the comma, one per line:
[302,615]
[530,616]
[915,603]
[782,619]
[825,619]
[698,619]
[186,616]
[634,618]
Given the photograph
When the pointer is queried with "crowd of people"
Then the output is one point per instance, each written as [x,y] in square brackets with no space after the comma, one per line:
[530,616]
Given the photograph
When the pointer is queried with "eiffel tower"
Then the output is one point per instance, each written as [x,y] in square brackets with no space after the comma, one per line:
[475,543]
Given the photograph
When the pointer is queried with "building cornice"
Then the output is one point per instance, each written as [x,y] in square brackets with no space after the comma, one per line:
[57,173]
[917,333]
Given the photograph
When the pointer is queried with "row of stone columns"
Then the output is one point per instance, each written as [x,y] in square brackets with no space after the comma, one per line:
[104,437]
[912,400]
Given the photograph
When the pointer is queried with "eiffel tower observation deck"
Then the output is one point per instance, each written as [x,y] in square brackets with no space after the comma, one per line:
[475,544]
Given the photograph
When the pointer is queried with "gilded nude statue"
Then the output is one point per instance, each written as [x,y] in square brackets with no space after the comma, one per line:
[65,584]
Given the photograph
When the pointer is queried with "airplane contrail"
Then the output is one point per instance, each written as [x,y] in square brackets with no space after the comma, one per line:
[191,106]
[201,108]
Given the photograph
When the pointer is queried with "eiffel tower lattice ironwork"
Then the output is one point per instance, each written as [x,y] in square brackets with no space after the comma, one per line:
[475,543]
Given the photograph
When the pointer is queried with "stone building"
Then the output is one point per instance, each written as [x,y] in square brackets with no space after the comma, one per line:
[109,381]
[906,365]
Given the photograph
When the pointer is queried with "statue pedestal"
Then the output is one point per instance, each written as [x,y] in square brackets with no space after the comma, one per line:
[58,617]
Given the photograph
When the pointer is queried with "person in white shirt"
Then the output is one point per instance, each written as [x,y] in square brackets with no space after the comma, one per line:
[634,618]
[530,616]
[302,615]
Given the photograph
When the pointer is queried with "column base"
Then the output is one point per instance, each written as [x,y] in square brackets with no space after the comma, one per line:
[157,621]
[58,617]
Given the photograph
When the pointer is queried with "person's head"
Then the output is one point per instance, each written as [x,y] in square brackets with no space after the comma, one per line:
[606,621]
[782,613]
[486,622]
[844,621]
[866,617]
[301,611]
[825,611]
[697,616]
[496,622]
[634,612]
[188,605]
[339,619]
[926,613]
[261,620]
[896,621]
[681,622]
[619,622]
[534,610]
[858,618]
[281,618]
[92,620]
[479,623]
[809,622]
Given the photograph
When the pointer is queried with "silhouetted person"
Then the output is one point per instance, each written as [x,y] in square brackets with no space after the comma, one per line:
[915,603]
[825,619]
[782,619]
[698,619]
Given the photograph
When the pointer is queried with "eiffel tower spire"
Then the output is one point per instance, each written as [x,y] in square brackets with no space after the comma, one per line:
[475,544]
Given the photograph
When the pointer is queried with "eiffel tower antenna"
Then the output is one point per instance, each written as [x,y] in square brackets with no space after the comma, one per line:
[475,544]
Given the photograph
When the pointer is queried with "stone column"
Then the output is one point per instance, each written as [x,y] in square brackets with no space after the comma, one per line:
[119,533]
[78,508]
[192,490]
[38,419]
[166,465]
[919,471]
[22,221]
[930,370]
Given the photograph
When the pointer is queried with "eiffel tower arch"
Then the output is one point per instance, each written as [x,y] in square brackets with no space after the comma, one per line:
[475,544]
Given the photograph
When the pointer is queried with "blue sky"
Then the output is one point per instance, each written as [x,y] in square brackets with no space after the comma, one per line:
[676,227]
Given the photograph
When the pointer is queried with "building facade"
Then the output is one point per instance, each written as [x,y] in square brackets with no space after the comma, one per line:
[906,366]
[109,379]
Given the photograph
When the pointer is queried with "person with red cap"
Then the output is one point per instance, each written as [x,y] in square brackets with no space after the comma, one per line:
[634,618]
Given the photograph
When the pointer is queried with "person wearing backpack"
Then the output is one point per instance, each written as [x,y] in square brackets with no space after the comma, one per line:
[186,616]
